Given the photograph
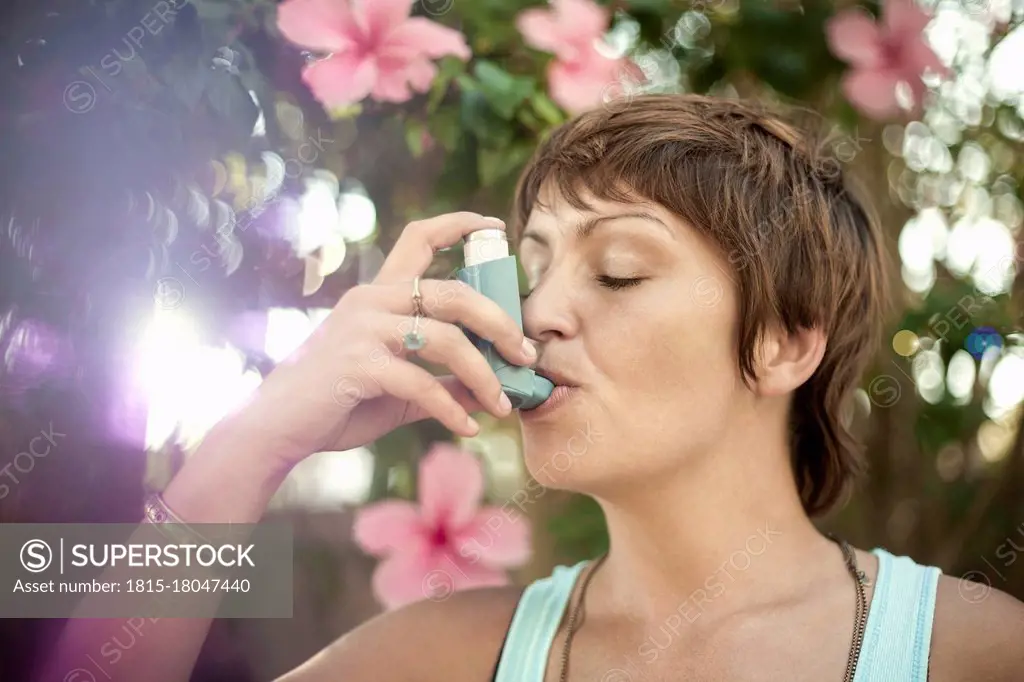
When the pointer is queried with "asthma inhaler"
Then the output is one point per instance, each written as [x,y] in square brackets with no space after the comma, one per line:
[492,271]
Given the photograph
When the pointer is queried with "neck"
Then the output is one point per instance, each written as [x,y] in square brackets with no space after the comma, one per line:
[727,532]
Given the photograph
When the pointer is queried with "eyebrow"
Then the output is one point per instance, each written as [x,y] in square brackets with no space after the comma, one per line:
[587,227]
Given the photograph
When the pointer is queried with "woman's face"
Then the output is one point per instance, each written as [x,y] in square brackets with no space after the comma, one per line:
[635,308]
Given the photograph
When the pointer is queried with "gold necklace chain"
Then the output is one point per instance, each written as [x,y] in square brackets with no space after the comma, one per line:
[860,619]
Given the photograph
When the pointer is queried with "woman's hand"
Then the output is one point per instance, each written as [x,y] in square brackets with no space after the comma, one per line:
[352,381]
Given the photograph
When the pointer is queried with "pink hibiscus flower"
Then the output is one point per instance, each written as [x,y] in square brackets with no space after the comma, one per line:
[375,48]
[580,76]
[882,55]
[447,542]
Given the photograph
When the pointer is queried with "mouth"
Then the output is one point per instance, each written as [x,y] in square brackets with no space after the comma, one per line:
[557,378]
[562,394]
[565,389]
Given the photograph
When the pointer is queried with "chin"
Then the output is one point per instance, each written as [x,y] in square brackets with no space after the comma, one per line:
[562,447]
[589,451]
[566,441]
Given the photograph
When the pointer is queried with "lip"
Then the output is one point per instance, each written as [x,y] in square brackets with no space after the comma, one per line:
[555,377]
[559,397]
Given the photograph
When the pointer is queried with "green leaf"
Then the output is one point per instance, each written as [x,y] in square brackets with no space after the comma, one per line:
[785,69]
[479,117]
[345,112]
[651,24]
[546,109]
[847,116]
[401,481]
[414,131]
[446,127]
[504,91]
[450,68]
[785,49]
[490,165]
[660,7]
[494,165]
[763,14]
[459,178]
[705,77]
[530,120]
[466,83]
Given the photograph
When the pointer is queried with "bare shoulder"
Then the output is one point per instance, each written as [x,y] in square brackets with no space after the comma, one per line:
[977,635]
[456,639]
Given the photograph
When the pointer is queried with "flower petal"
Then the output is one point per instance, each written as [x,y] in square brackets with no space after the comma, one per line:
[393,82]
[854,37]
[419,36]
[540,29]
[450,573]
[918,91]
[380,17]
[389,526]
[421,74]
[903,20]
[471,576]
[400,579]
[340,80]
[451,483]
[405,578]
[317,24]
[495,538]
[580,86]
[918,55]
[873,92]
[581,21]
[630,72]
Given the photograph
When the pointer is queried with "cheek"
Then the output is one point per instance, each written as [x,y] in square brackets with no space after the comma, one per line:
[664,381]
[669,351]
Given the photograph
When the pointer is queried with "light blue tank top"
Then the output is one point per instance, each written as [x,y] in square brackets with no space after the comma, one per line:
[896,640]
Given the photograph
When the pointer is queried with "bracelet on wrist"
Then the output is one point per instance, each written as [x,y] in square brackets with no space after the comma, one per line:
[167,522]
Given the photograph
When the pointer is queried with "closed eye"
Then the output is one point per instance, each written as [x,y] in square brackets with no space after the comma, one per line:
[616,283]
[613,283]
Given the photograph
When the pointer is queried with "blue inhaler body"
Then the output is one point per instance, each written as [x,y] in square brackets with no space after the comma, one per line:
[492,271]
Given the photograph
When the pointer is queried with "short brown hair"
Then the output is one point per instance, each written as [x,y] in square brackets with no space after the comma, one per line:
[806,253]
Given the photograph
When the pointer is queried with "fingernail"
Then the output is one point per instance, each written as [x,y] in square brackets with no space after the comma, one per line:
[474,426]
[528,350]
[505,404]
[495,221]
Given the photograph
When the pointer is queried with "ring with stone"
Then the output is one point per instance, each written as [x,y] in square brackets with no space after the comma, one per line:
[414,340]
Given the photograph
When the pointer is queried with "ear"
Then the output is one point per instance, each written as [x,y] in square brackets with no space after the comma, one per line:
[787,360]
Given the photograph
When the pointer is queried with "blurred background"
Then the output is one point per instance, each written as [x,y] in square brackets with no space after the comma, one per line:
[185,195]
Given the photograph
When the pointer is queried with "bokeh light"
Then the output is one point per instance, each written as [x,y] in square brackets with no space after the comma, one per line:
[189,386]
[326,481]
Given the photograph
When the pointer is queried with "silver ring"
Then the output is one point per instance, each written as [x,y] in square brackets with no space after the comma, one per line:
[414,340]
[417,297]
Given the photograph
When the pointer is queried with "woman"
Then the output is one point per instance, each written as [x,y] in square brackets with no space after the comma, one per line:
[708,293]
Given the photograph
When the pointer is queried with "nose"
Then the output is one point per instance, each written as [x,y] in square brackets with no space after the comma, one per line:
[549,311]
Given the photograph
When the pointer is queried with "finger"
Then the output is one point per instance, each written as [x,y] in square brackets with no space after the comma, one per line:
[455,302]
[445,344]
[414,251]
[461,393]
[458,390]
[422,390]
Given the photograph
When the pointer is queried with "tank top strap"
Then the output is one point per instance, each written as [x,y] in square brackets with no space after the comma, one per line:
[524,658]
[897,637]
